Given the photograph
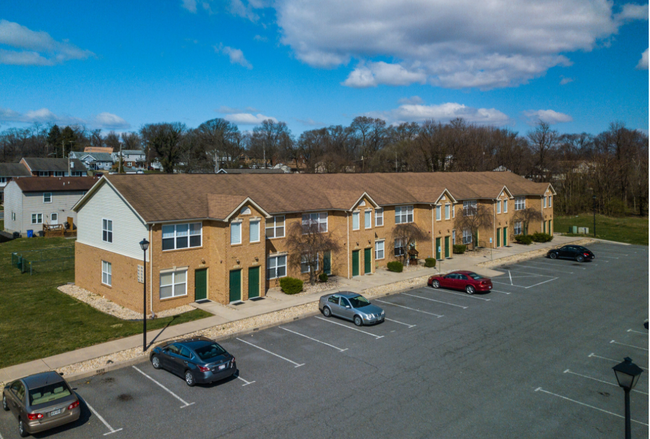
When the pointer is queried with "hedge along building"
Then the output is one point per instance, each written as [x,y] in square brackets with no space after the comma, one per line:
[228,237]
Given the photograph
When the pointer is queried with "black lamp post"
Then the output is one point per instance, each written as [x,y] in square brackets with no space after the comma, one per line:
[594,216]
[144,245]
[627,375]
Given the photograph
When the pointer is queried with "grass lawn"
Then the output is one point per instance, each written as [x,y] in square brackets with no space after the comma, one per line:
[632,230]
[36,320]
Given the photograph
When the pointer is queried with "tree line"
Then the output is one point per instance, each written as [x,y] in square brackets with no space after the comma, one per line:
[607,171]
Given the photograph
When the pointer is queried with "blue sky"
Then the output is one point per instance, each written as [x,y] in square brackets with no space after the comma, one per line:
[576,64]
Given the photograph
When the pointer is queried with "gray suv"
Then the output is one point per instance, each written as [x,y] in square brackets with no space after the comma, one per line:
[351,306]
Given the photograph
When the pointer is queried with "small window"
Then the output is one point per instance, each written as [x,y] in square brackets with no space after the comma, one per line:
[367,216]
[498,206]
[333,299]
[316,222]
[544,201]
[173,284]
[403,214]
[107,273]
[245,210]
[518,228]
[107,230]
[400,247]
[54,218]
[355,220]
[453,237]
[305,266]
[47,197]
[447,211]
[43,173]
[379,217]
[181,236]
[520,203]
[549,201]
[276,266]
[275,227]
[235,233]
[37,218]
[438,213]
[470,207]
[379,249]
[467,236]
[505,206]
[254,231]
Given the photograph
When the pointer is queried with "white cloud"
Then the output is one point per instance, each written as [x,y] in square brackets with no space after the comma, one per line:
[229,110]
[248,118]
[442,113]
[500,43]
[236,56]
[35,48]
[44,115]
[411,100]
[549,116]
[643,62]
[111,121]
[190,5]
[565,81]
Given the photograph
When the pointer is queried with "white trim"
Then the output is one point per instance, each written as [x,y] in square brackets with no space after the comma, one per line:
[410,211]
[107,230]
[268,265]
[173,283]
[365,194]
[505,206]
[175,237]
[355,214]
[379,210]
[240,224]
[109,273]
[47,193]
[445,191]
[438,212]
[383,242]
[37,222]
[275,227]
[317,221]
[367,219]
[257,206]
[258,229]
[448,211]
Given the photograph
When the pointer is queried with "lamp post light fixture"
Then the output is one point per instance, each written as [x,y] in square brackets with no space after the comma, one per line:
[144,245]
[627,375]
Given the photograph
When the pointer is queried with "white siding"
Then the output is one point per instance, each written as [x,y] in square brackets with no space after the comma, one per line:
[13,203]
[62,203]
[128,229]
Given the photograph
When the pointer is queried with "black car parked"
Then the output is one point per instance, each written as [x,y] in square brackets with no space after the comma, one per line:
[198,360]
[577,252]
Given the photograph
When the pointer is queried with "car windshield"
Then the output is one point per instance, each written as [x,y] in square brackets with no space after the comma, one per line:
[475,276]
[48,393]
[359,301]
[209,351]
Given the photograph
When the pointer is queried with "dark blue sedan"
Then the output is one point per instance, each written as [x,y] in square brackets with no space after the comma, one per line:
[198,360]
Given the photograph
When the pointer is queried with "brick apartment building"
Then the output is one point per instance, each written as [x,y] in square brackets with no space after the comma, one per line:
[226,237]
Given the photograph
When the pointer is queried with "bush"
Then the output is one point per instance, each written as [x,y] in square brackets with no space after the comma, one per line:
[541,237]
[459,249]
[430,262]
[322,277]
[524,239]
[395,266]
[290,285]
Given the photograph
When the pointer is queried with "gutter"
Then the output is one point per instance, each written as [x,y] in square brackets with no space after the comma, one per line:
[150,270]
[347,218]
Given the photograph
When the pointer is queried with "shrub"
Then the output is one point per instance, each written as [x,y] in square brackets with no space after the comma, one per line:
[541,237]
[430,262]
[459,249]
[322,277]
[395,266]
[524,239]
[290,285]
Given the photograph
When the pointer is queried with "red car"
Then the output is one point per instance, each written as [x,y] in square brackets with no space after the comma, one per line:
[462,280]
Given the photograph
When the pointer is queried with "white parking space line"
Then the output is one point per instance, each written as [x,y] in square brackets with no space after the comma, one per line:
[269,352]
[546,269]
[434,300]
[628,345]
[166,389]
[546,281]
[532,274]
[610,359]
[503,283]
[313,339]
[347,327]
[539,389]
[600,381]
[501,292]
[111,429]
[409,308]
[469,296]
[401,323]
[247,382]
[510,275]
[637,332]
[555,265]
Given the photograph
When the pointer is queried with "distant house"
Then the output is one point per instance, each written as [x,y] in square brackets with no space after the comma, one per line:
[250,171]
[9,171]
[131,157]
[31,202]
[49,167]
[98,161]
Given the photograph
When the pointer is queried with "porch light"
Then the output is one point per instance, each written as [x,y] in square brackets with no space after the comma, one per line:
[144,245]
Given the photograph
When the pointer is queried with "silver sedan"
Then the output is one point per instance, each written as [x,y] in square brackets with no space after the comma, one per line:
[351,306]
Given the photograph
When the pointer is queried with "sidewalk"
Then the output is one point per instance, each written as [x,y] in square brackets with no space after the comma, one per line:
[381,282]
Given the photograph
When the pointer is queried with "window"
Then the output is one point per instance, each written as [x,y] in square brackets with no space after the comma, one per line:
[505,206]
[467,236]
[379,217]
[453,212]
[400,247]
[173,284]
[379,249]
[367,216]
[13,216]
[518,228]
[549,201]
[176,236]
[107,230]
[47,197]
[275,227]
[276,266]
[355,220]
[438,213]
[315,221]
[107,273]
[37,218]
[520,203]
[254,231]
[544,202]
[245,211]
[403,214]
[58,173]
[304,264]
[453,237]
[3,180]
[54,218]
[235,233]
[447,209]
[498,206]
[43,173]
[469,207]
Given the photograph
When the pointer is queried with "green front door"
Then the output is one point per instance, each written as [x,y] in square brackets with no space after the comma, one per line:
[498,237]
[200,285]
[253,282]
[438,253]
[544,225]
[355,263]
[505,236]
[446,246]
[235,285]
[367,261]
[327,263]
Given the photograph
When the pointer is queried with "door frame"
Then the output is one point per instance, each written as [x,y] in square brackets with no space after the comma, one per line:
[498,237]
[447,241]
[259,289]
[204,270]
[367,261]
[230,285]
[438,249]
[355,252]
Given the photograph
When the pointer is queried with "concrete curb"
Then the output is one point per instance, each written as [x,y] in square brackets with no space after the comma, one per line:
[529,255]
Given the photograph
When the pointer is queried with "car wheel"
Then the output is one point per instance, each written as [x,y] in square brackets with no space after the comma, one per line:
[189,378]
[155,362]
[358,321]
[435,284]
[553,255]
[327,312]
[21,429]
[469,289]
[580,258]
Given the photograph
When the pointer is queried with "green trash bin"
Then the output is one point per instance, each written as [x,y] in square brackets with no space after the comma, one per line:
[573,229]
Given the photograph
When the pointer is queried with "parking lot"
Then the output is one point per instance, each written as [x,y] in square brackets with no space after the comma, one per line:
[533,358]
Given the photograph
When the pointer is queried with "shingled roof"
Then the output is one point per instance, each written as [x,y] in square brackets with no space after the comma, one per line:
[13,170]
[55,184]
[53,164]
[173,197]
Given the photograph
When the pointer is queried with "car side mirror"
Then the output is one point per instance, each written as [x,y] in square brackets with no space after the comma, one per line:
[347,306]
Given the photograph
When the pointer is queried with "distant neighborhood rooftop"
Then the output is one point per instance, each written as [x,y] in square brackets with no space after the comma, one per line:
[55,184]
[52,164]
[13,170]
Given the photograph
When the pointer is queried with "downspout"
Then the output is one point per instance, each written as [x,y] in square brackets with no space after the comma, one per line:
[433,234]
[151,270]
[494,224]
[347,218]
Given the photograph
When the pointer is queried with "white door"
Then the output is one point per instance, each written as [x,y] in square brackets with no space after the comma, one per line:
[54,218]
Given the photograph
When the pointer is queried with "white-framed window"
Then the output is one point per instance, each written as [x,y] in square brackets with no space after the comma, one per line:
[254,231]
[47,197]
[235,233]
[400,247]
[379,217]
[13,216]
[173,284]
[177,236]
[498,206]
[3,181]
[403,214]
[518,228]
[453,212]
[520,203]
[316,220]
[447,211]
[438,213]
[505,206]
[470,207]
[467,236]
[37,218]
[54,218]
[276,266]
[58,173]
[379,249]
[453,237]
[355,220]
[107,230]
[550,198]
[43,173]
[107,273]
[544,202]
[275,227]
[304,264]
[367,219]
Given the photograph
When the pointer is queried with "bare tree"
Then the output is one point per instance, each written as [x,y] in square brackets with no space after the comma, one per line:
[307,244]
[526,216]
[405,238]
[166,140]
[543,142]
[473,218]
[220,140]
